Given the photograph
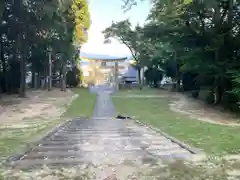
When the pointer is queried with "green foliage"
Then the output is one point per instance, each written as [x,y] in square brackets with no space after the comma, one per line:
[133,39]
[153,76]
[73,77]
[82,20]
[130,36]
[199,37]
[123,33]
[31,29]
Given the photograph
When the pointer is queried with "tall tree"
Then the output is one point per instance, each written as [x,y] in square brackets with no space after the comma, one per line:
[204,37]
[30,28]
[132,38]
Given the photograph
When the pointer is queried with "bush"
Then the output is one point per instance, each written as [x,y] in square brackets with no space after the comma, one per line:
[153,76]
[230,102]
[71,79]
[210,98]
[195,93]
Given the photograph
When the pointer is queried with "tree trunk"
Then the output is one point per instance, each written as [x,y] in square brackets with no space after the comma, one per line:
[49,72]
[139,78]
[22,92]
[178,78]
[33,79]
[4,76]
[230,16]
[34,83]
[63,78]
[218,94]
[35,75]
[45,78]
[178,85]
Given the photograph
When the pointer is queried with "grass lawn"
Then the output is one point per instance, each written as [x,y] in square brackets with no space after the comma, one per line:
[155,111]
[14,139]
[145,91]
[83,105]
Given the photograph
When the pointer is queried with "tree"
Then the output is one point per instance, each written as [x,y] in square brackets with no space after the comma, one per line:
[73,77]
[123,32]
[30,28]
[82,20]
[153,76]
[199,39]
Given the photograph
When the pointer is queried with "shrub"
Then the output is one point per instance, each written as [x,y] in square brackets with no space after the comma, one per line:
[73,77]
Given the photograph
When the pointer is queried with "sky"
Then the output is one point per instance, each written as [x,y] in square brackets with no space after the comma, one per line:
[103,12]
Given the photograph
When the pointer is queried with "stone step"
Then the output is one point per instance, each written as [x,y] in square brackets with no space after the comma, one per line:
[60,143]
[85,153]
[96,129]
[75,161]
[97,133]
[54,155]
[101,155]
[74,147]
[92,138]
[81,142]
[91,147]
[37,164]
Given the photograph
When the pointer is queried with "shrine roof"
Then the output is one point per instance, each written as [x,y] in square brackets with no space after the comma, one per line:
[101,57]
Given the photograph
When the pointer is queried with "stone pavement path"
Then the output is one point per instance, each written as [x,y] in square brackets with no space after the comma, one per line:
[102,141]
[99,142]
[104,108]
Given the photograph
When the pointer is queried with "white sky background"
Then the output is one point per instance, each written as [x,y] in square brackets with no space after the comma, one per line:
[103,12]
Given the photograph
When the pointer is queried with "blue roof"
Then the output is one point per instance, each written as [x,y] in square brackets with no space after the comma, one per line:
[100,56]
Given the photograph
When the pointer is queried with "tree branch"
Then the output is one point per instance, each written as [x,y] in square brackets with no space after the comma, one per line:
[202,22]
[129,47]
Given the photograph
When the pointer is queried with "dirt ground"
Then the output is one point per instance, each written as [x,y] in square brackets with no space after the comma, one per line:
[15,111]
[197,109]
[50,105]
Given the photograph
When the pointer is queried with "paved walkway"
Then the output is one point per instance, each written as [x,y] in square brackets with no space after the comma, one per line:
[102,142]
[99,143]
[104,108]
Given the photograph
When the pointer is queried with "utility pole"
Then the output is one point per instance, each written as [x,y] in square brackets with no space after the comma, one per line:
[50,69]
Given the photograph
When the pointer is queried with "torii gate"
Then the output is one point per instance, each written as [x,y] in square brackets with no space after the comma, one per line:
[108,59]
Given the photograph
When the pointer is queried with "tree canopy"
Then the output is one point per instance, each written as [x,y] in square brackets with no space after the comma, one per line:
[132,37]
[200,38]
[31,29]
